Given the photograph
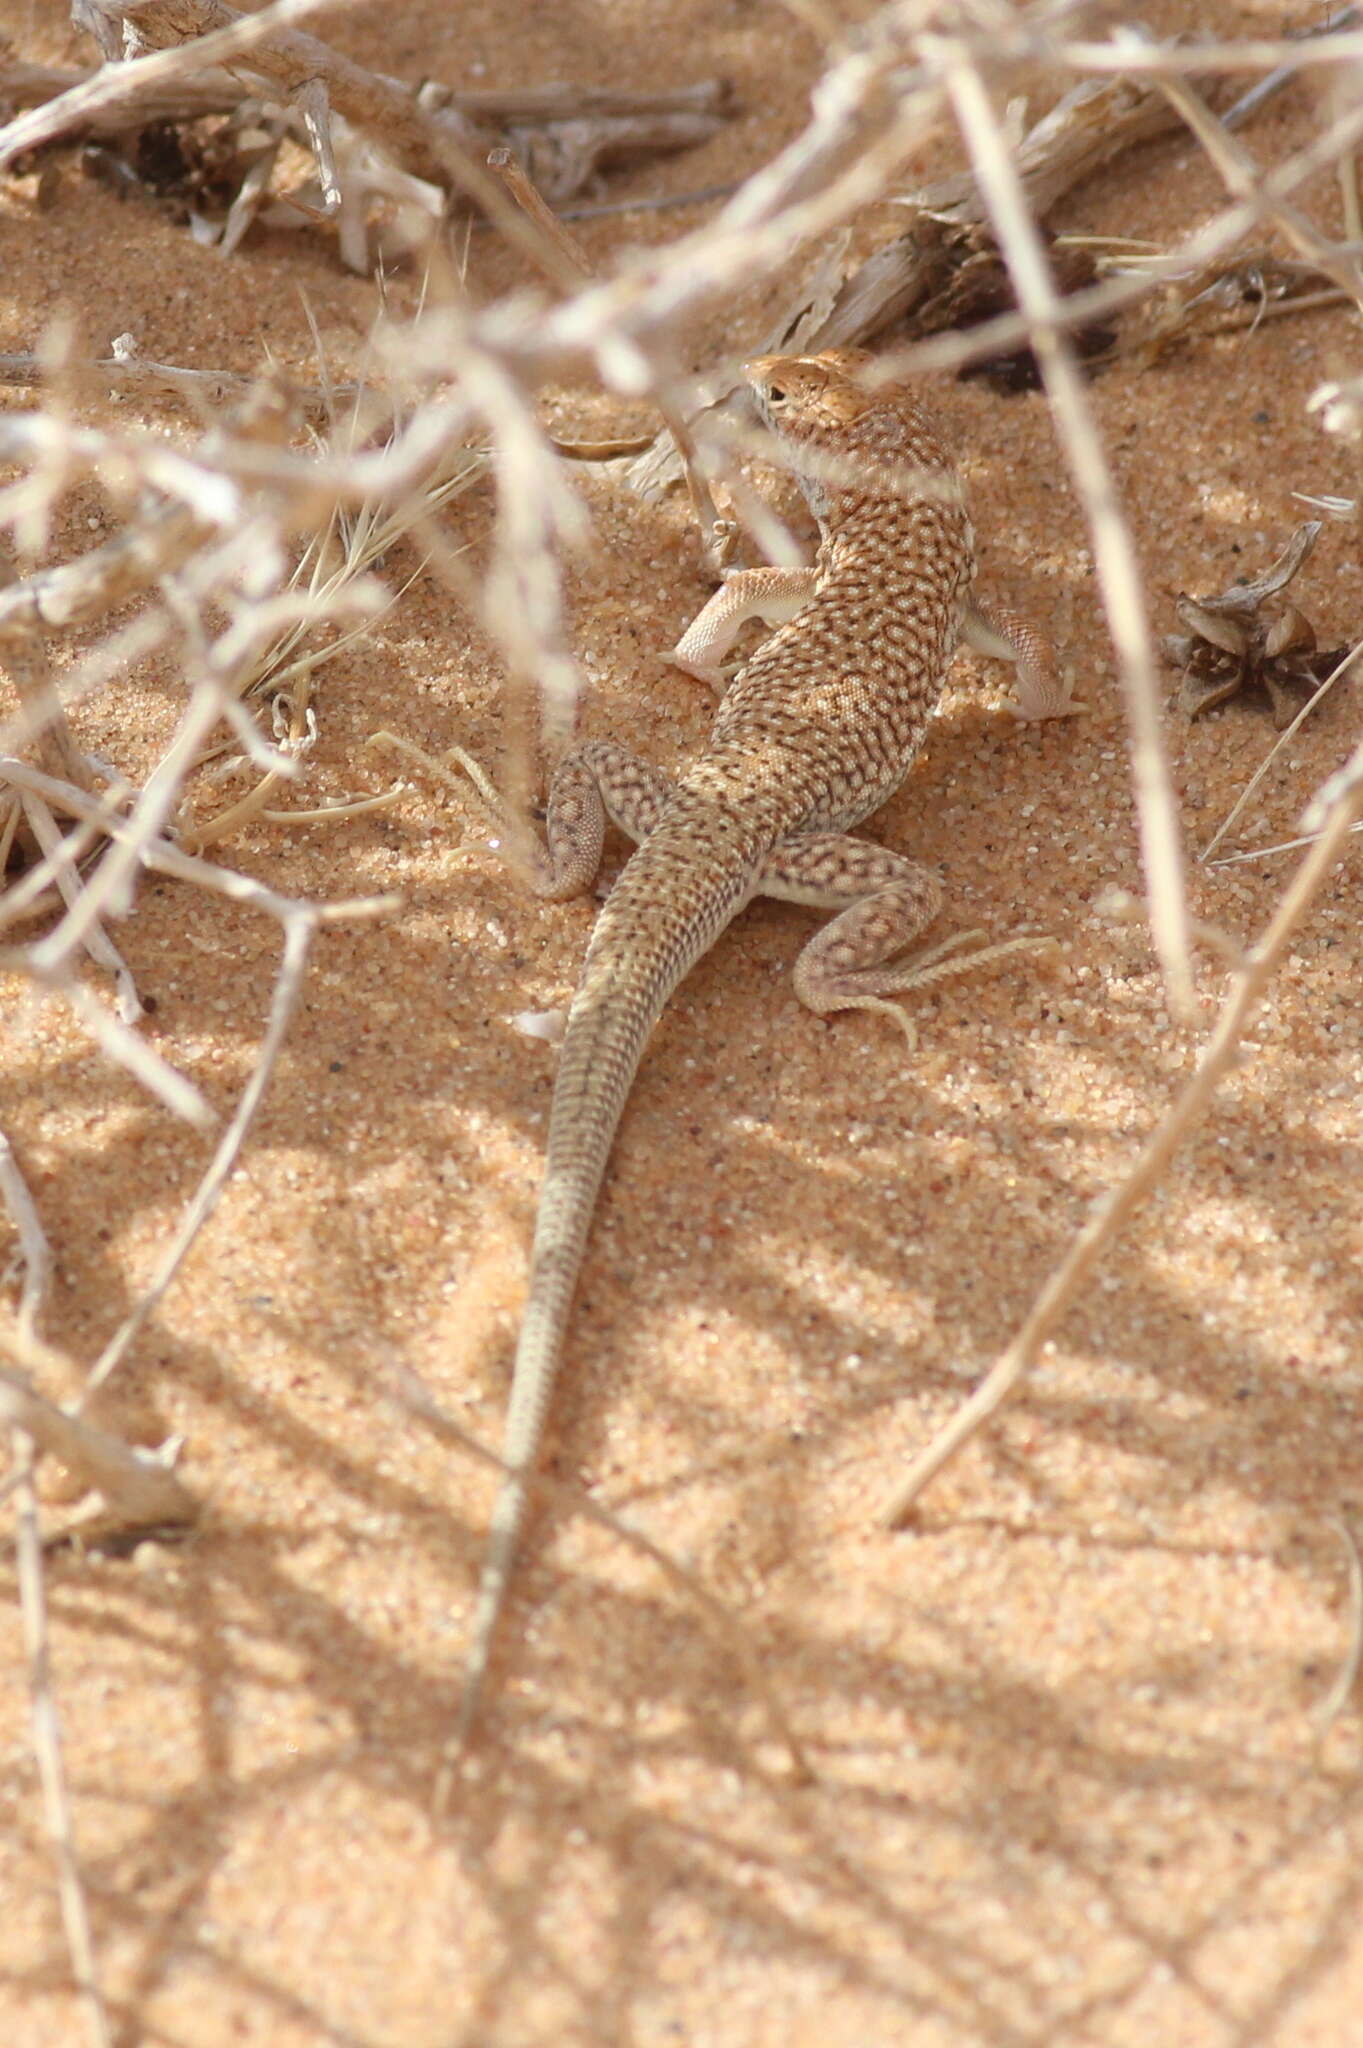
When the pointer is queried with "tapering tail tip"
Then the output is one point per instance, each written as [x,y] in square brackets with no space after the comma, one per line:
[493,1585]
[460,1741]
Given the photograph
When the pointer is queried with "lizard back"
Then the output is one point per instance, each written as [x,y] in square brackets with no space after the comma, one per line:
[833,706]
[816,730]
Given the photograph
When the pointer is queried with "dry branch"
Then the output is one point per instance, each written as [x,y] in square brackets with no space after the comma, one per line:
[565,134]
[1344,797]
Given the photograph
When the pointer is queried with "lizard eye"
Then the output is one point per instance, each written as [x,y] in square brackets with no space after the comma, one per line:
[776,394]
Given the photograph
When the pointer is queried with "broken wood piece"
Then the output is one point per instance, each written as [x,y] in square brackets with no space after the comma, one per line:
[563,132]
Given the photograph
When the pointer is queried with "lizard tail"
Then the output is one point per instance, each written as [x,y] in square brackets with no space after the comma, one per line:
[638,954]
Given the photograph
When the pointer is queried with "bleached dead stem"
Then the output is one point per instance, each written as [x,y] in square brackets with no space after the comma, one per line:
[47,1749]
[543,107]
[35,1253]
[27,1416]
[1113,551]
[1098,1235]
[88,933]
[132,375]
[300,923]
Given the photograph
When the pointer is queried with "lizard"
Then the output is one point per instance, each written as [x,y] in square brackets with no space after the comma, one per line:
[819,726]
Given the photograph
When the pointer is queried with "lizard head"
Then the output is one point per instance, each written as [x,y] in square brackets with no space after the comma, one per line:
[812,398]
[826,403]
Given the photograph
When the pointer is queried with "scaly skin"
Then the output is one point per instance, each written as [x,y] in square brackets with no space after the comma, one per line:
[814,732]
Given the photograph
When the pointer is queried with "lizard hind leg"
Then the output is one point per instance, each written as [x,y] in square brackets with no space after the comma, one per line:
[593,782]
[1043,690]
[885,900]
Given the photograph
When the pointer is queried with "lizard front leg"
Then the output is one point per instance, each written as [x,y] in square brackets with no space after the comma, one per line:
[1007,635]
[885,900]
[772,595]
[594,782]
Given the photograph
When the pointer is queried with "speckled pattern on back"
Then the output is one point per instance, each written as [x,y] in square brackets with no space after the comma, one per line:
[816,730]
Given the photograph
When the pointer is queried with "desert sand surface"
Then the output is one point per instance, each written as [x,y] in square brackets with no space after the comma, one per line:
[1070,1786]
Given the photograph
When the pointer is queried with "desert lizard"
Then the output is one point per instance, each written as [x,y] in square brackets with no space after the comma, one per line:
[815,731]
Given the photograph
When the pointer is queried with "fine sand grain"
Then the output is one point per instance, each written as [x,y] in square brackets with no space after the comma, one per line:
[1070,1783]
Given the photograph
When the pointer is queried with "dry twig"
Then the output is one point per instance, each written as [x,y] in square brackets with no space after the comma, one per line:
[1345,798]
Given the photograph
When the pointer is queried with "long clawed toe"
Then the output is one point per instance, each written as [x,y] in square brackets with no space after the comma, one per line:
[936,963]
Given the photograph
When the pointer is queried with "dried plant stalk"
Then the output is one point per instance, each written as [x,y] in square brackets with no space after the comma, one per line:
[565,133]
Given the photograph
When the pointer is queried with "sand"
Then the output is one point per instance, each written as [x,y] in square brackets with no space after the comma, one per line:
[1069,1783]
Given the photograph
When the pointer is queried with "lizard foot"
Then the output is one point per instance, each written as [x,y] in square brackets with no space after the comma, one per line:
[937,963]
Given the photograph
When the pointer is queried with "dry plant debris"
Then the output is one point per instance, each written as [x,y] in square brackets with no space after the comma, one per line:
[1224,297]
[253,523]
[1232,647]
[389,156]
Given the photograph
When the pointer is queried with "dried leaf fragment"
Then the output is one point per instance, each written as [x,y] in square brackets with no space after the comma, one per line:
[1229,646]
